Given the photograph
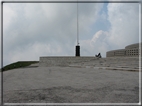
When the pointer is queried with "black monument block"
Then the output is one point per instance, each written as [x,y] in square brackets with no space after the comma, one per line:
[77,50]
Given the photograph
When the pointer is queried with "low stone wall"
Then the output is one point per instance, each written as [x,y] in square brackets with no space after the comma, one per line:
[63,60]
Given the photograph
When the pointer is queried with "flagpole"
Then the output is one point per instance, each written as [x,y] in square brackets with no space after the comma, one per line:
[77,26]
[77,47]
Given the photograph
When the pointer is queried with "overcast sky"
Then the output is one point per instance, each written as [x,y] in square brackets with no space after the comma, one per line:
[32,30]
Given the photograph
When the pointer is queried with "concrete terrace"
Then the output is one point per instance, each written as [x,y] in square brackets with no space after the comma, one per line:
[98,80]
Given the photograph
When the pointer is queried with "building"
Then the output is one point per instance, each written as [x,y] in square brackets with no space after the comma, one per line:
[130,50]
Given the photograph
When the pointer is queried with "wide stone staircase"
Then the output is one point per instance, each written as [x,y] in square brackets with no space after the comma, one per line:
[113,63]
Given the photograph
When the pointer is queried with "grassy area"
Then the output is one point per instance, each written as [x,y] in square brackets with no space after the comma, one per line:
[18,64]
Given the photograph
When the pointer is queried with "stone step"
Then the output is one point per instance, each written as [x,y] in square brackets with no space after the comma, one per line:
[91,61]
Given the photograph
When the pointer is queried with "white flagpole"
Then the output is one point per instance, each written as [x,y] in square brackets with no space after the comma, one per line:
[77,26]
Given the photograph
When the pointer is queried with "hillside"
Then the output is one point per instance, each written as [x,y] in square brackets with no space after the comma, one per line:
[18,64]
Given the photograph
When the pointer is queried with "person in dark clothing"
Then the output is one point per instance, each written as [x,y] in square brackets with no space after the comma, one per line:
[99,55]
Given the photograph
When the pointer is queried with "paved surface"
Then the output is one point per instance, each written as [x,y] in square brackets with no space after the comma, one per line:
[70,85]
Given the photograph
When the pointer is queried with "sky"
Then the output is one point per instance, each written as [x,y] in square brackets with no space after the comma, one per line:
[32,30]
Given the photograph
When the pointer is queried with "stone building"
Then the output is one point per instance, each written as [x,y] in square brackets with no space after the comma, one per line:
[130,50]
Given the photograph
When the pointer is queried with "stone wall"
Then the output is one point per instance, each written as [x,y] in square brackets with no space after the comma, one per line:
[63,60]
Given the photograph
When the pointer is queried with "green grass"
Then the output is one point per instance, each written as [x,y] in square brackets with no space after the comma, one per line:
[18,64]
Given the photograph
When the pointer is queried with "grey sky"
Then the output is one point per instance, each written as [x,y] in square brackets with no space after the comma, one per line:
[34,30]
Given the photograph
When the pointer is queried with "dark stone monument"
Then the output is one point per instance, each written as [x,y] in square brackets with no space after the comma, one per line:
[77,50]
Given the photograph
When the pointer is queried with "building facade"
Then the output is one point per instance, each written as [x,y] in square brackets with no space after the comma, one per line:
[130,50]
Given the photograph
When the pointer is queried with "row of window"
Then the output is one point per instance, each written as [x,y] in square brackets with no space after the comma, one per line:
[136,50]
[132,54]
[123,53]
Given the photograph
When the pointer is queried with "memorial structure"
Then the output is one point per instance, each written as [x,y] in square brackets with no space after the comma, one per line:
[132,50]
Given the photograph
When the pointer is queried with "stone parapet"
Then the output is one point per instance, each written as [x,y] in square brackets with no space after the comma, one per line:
[63,60]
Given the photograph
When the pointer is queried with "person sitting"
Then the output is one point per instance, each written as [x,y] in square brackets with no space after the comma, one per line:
[99,55]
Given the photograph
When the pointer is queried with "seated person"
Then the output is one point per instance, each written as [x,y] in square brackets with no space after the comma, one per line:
[99,55]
